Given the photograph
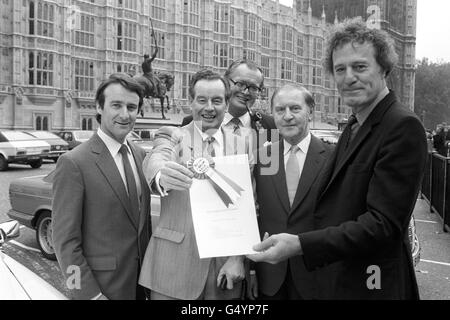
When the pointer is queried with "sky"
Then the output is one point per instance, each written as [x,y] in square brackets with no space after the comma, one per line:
[433,29]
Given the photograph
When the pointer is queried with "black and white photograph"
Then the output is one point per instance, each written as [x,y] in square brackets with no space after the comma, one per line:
[224,154]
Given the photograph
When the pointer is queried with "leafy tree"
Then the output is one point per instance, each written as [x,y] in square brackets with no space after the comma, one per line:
[432,92]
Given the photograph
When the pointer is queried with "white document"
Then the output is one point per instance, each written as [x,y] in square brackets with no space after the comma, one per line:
[221,230]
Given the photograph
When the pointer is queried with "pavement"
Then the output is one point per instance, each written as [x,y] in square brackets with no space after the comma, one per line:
[433,270]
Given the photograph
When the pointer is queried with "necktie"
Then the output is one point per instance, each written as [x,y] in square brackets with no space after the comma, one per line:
[346,138]
[236,122]
[131,183]
[210,147]
[351,121]
[292,173]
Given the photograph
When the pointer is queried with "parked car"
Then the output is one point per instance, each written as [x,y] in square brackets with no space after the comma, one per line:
[328,136]
[75,137]
[31,205]
[16,281]
[146,134]
[57,145]
[21,148]
[146,145]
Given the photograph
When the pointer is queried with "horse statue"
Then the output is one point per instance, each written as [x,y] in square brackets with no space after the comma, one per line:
[155,84]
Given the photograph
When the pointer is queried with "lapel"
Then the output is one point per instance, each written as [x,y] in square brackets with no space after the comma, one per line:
[107,166]
[194,141]
[142,208]
[279,179]
[374,119]
[313,163]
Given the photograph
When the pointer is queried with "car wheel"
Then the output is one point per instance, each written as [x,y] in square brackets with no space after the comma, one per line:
[44,235]
[36,164]
[3,163]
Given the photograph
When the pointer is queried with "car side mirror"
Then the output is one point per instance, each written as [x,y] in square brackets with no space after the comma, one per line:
[9,230]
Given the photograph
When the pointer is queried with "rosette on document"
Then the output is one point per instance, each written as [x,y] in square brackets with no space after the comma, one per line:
[228,190]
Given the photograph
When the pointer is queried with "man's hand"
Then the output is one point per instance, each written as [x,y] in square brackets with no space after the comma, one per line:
[233,270]
[252,288]
[174,176]
[276,248]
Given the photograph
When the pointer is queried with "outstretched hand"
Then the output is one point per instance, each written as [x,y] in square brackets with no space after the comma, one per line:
[175,176]
[276,248]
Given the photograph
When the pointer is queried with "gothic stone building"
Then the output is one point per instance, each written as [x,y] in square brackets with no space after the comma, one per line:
[55,53]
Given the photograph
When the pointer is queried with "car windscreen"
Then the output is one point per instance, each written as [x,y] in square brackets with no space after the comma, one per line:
[83,135]
[44,135]
[17,136]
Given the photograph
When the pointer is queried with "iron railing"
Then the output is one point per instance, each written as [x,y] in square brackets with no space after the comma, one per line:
[436,187]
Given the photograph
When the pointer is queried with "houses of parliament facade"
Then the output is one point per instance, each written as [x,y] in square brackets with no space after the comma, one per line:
[55,53]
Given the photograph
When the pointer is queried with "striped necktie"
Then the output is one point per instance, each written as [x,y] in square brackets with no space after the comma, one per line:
[292,173]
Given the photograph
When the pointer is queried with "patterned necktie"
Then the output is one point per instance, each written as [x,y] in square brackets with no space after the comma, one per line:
[236,122]
[210,147]
[131,183]
[292,173]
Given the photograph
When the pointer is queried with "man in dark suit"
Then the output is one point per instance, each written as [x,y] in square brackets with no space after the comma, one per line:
[286,198]
[101,202]
[369,188]
[246,81]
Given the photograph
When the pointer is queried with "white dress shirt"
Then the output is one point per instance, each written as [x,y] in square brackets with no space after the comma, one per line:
[301,153]
[218,140]
[114,147]
[245,121]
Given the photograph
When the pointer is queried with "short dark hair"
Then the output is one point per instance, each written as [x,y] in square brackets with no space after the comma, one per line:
[306,95]
[208,75]
[125,81]
[249,63]
[356,31]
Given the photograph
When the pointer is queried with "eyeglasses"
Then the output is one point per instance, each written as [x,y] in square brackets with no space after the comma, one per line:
[252,89]
[281,110]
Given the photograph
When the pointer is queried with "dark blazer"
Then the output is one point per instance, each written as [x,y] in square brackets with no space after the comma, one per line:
[364,208]
[93,226]
[276,216]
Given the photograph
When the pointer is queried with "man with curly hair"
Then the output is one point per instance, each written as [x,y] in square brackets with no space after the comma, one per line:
[369,188]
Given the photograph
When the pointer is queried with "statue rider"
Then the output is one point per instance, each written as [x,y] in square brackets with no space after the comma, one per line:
[148,71]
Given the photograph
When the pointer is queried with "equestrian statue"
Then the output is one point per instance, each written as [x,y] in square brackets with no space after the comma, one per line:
[155,84]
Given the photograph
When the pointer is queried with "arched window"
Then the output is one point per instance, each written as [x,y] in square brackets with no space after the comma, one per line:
[83,124]
[38,123]
[45,123]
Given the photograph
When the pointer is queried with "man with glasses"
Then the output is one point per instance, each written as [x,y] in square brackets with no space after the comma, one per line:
[246,82]
[286,197]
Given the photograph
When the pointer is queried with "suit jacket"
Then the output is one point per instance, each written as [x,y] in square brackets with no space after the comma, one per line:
[277,216]
[172,265]
[364,208]
[93,226]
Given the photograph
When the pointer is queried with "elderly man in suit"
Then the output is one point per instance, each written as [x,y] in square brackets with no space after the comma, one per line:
[286,199]
[360,245]
[172,267]
[101,205]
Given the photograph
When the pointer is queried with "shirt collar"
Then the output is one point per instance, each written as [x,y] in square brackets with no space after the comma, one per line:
[218,135]
[112,145]
[362,115]
[245,119]
[303,145]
